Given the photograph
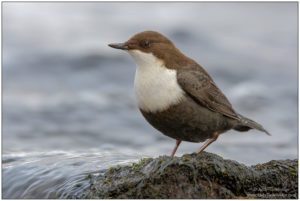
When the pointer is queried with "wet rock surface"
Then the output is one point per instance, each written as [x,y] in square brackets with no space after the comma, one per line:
[199,176]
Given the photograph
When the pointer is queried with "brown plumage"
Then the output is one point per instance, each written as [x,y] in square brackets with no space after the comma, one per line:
[202,112]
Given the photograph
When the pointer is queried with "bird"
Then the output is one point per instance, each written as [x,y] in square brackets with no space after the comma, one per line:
[177,96]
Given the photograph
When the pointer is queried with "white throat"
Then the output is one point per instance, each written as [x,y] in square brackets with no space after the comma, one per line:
[156,86]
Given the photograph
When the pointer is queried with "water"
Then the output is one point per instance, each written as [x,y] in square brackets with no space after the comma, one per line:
[68,101]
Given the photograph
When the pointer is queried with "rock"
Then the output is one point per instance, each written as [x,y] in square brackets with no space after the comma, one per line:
[199,176]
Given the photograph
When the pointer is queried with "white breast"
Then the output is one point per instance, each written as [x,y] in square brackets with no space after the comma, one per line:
[156,86]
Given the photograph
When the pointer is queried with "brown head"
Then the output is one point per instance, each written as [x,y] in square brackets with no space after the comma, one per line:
[157,44]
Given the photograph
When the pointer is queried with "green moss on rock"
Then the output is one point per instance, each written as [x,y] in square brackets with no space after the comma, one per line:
[201,176]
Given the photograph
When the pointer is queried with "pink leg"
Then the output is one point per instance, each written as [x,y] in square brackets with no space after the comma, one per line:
[175,148]
[211,140]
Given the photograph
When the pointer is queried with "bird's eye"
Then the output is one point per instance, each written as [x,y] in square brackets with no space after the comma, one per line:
[144,43]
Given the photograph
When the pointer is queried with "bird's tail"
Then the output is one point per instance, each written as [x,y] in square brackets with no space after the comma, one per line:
[247,124]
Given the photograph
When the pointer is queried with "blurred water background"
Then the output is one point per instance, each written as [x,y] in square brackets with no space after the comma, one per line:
[68,100]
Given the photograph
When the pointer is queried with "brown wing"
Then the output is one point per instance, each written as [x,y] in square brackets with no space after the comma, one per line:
[203,89]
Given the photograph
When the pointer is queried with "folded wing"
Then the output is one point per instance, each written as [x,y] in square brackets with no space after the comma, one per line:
[204,91]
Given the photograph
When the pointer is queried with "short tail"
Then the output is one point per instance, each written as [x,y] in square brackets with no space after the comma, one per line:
[247,124]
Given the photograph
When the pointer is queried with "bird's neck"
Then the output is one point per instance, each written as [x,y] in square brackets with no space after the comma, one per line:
[156,86]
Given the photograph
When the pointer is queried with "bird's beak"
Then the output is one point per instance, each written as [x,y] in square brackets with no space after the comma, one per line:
[121,46]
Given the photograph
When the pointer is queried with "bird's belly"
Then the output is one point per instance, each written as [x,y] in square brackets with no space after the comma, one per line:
[188,121]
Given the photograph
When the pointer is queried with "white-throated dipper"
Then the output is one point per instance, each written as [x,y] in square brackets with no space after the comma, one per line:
[177,96]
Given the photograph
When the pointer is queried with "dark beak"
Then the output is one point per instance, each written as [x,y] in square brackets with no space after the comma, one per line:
[121,46]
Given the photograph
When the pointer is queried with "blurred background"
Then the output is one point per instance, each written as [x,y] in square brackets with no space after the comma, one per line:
[68,100]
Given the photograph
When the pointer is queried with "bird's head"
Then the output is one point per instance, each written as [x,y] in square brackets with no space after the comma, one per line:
[147,44]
